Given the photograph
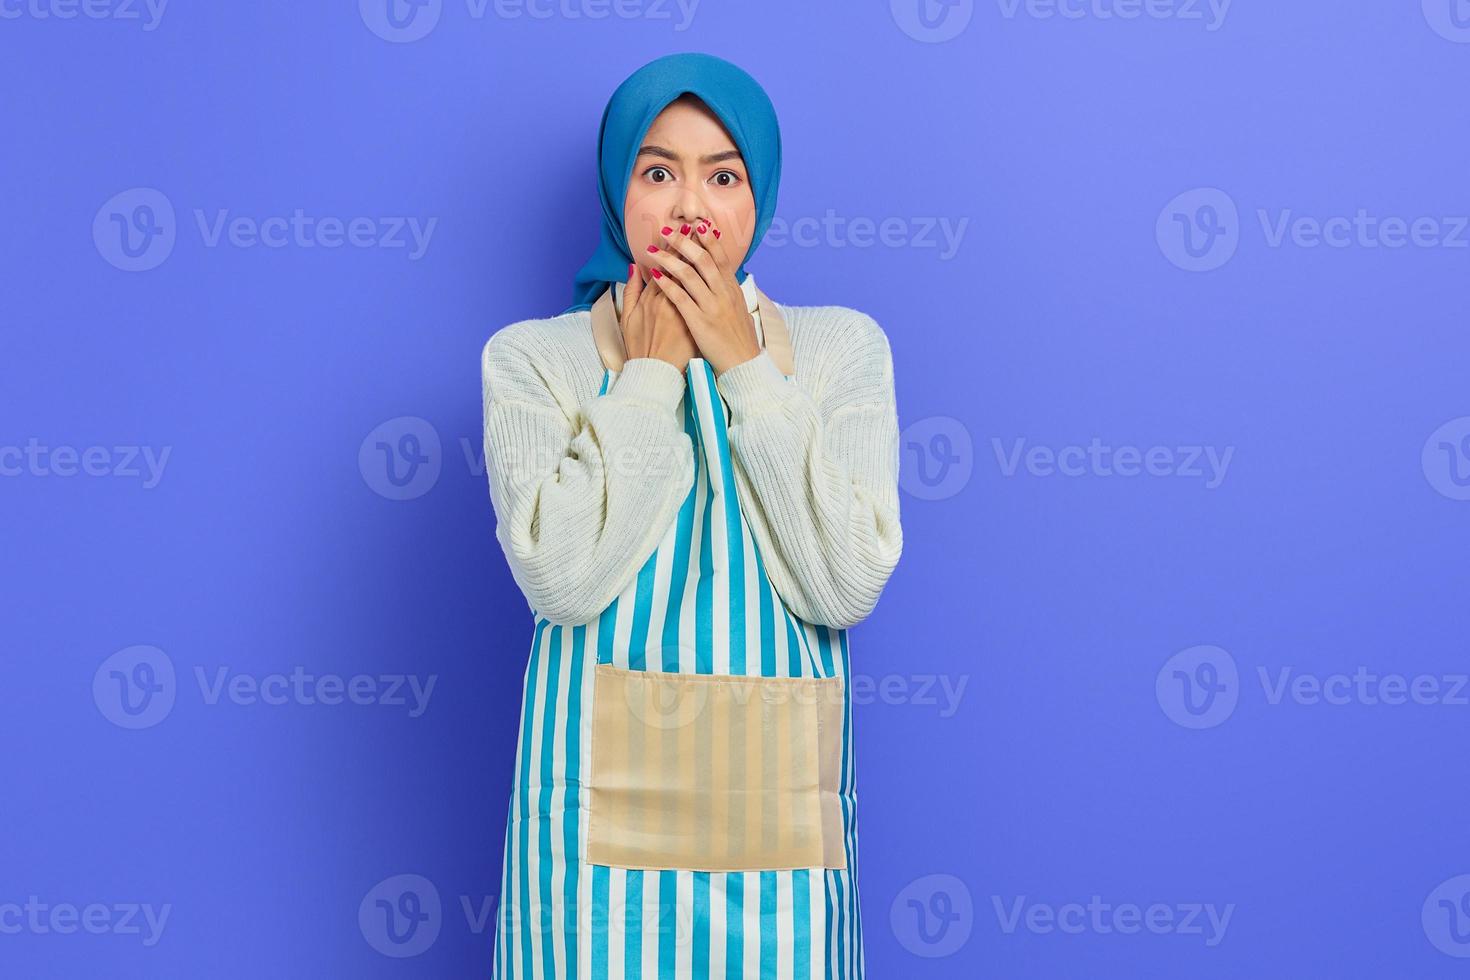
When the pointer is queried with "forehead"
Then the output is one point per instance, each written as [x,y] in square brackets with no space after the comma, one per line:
[689,125]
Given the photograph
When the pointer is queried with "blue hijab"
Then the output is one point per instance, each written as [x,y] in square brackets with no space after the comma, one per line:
[732,95]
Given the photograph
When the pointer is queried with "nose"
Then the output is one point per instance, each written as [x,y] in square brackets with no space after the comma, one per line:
[690,206]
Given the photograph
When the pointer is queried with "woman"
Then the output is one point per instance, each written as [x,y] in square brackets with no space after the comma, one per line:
[696,489]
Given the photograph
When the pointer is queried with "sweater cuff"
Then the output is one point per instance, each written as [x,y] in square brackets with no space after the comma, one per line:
[754,385]
[651,379]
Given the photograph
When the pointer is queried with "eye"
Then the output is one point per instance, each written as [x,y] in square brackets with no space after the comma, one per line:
[734,178]
[658,168]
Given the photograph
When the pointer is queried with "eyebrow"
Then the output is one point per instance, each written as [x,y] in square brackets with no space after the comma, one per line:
[659,151]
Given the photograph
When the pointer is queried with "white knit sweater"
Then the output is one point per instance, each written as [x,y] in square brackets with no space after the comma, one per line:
[584,486]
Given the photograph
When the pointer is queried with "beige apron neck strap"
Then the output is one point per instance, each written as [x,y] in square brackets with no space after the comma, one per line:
[777,338]
[609,336]
[606,332]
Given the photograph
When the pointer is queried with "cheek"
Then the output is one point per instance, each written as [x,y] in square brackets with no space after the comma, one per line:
[736,218]
[642,218]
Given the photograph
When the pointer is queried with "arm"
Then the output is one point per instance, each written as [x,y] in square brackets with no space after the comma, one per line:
[818,477]
[580,500]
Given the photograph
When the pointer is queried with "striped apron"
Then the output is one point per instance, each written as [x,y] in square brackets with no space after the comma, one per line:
[701,603]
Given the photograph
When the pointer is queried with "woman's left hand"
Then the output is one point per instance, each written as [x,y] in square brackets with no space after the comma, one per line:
[699,279]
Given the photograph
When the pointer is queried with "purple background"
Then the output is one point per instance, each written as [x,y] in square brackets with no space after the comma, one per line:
[1335,541]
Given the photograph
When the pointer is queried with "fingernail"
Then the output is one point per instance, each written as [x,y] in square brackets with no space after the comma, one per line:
[684,230]
[653,248]
[717,233]
[703,229]
[666,230]
[657,273]
[631,267]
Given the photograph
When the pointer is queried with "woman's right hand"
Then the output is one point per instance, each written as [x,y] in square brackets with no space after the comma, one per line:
[652,326]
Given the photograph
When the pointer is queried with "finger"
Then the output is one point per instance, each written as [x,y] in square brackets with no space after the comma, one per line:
[633,290]
[712,239]
[670,288]
[688,263]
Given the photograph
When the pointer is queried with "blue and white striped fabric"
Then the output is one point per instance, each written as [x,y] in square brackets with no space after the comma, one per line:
[700,604]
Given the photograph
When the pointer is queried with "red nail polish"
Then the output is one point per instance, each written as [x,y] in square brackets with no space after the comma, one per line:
[684,230]
[657,273]
[666,230]
[653,248]
[717,233]
[632,267]
[703,229]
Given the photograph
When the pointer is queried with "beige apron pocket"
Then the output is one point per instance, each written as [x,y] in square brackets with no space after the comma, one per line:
[715,772]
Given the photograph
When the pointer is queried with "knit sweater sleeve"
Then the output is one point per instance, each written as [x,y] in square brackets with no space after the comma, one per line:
[581,495]
[816,468]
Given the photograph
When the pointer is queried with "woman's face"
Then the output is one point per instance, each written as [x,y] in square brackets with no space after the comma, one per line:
[688,170]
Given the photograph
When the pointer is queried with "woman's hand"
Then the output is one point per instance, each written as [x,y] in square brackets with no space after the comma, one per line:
[699,279]
[651,324]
